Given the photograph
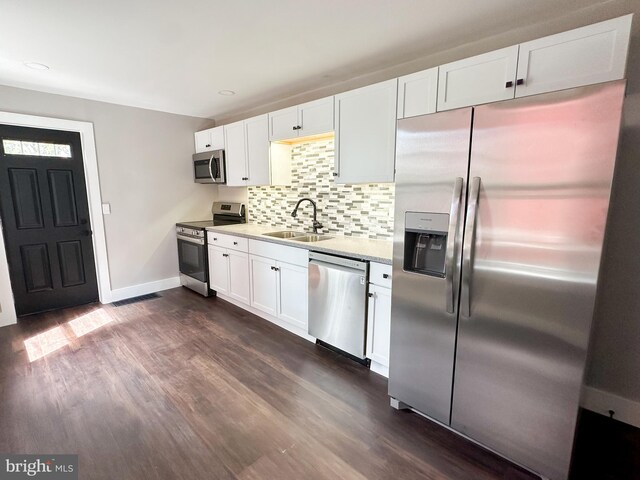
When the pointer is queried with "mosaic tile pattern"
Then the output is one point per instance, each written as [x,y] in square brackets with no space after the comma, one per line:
[358,210]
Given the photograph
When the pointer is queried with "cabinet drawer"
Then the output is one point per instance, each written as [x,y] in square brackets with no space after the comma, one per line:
[282,253]
[232,242]
[380,274]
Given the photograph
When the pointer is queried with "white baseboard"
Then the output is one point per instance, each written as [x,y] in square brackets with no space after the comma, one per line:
[287,326]
[599,401]
[144,289]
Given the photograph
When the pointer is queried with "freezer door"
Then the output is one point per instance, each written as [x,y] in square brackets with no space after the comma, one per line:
[432,157]
[541,172]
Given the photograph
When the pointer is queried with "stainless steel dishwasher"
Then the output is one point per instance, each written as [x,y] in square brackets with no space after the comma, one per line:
[338,302]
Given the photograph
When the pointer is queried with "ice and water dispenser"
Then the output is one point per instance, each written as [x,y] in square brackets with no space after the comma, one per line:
[425,242]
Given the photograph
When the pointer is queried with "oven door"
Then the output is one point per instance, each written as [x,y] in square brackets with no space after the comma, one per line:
[192,258]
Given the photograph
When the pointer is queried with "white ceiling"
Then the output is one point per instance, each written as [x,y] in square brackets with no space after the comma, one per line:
[175,56]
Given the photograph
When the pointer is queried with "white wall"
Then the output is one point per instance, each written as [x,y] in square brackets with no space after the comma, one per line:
[144,162]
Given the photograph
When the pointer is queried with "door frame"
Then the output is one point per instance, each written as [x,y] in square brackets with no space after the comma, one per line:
[94,197]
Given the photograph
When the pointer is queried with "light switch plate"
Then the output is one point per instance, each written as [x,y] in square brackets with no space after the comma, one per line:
[106,208]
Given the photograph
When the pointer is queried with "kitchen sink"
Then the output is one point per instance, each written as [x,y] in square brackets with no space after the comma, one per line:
[285,234]
[312,238]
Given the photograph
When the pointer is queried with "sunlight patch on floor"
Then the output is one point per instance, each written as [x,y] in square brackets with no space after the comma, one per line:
[44,343]
[89,322]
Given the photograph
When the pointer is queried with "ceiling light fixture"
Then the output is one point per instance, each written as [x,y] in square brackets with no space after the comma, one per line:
[36,66]
[226,93]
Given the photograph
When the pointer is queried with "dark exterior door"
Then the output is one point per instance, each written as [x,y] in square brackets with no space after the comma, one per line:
[45,219]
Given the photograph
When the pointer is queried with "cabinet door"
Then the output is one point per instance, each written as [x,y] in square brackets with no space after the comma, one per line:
[592,54]
[283,124]
[235,154]
[379,324]
[264,278]
[292,294]
[315,117]
[365,121]
[418,93]
[217,138]
[239,276]
[485,78]
[218,269]
[257,133]
[203,141]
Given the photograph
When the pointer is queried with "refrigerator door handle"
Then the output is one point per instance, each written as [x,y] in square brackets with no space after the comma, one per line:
[451,255]
[469,245]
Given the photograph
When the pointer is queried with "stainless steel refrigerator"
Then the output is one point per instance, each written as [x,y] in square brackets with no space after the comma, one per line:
[499,223]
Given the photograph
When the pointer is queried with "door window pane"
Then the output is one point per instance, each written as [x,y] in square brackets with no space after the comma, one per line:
[36,149]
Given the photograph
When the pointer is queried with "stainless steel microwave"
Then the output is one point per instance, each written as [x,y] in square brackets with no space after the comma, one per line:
[209,167]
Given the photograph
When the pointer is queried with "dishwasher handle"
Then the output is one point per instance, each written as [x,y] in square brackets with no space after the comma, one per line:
[340,268]
[333,260]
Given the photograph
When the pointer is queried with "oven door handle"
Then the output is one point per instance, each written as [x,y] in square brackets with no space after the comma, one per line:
[198,241]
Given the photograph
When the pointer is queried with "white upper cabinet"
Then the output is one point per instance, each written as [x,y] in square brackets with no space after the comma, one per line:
[283,124]
[418,93]
[315,117]
[592,54]
[365,123]
[235,154]
[210,139]
[257,135]
[310,118]
[247,152]
[485,78]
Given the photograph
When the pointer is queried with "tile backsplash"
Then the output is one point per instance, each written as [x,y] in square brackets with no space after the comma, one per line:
[358,210]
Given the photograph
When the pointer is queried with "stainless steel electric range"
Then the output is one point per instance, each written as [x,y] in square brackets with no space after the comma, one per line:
[192,244]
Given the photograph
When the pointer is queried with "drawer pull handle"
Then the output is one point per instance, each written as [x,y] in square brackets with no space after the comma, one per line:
[235,243]
[225,254]
[385,275]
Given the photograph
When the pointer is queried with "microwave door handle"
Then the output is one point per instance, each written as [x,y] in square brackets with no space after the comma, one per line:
[211,165]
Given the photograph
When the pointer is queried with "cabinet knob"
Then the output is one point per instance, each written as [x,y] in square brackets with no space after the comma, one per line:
[245,178]
[215,239]
[509,84]
[370,294]
[208,145]
[235,243]
[225,254]
[335,174]
[520,81]
[385,275]
[295,128]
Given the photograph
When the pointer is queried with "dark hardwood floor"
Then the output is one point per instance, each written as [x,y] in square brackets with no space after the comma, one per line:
[182,387]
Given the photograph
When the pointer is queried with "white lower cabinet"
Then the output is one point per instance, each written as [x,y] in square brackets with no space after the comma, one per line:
[218,270]
[264,287]
[280,290]
[292,294]
[238,275]
[379,318]
[229,273]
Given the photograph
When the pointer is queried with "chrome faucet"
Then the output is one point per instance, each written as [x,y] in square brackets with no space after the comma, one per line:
[316,223]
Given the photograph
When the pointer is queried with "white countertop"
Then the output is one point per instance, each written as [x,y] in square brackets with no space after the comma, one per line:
[357,247]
